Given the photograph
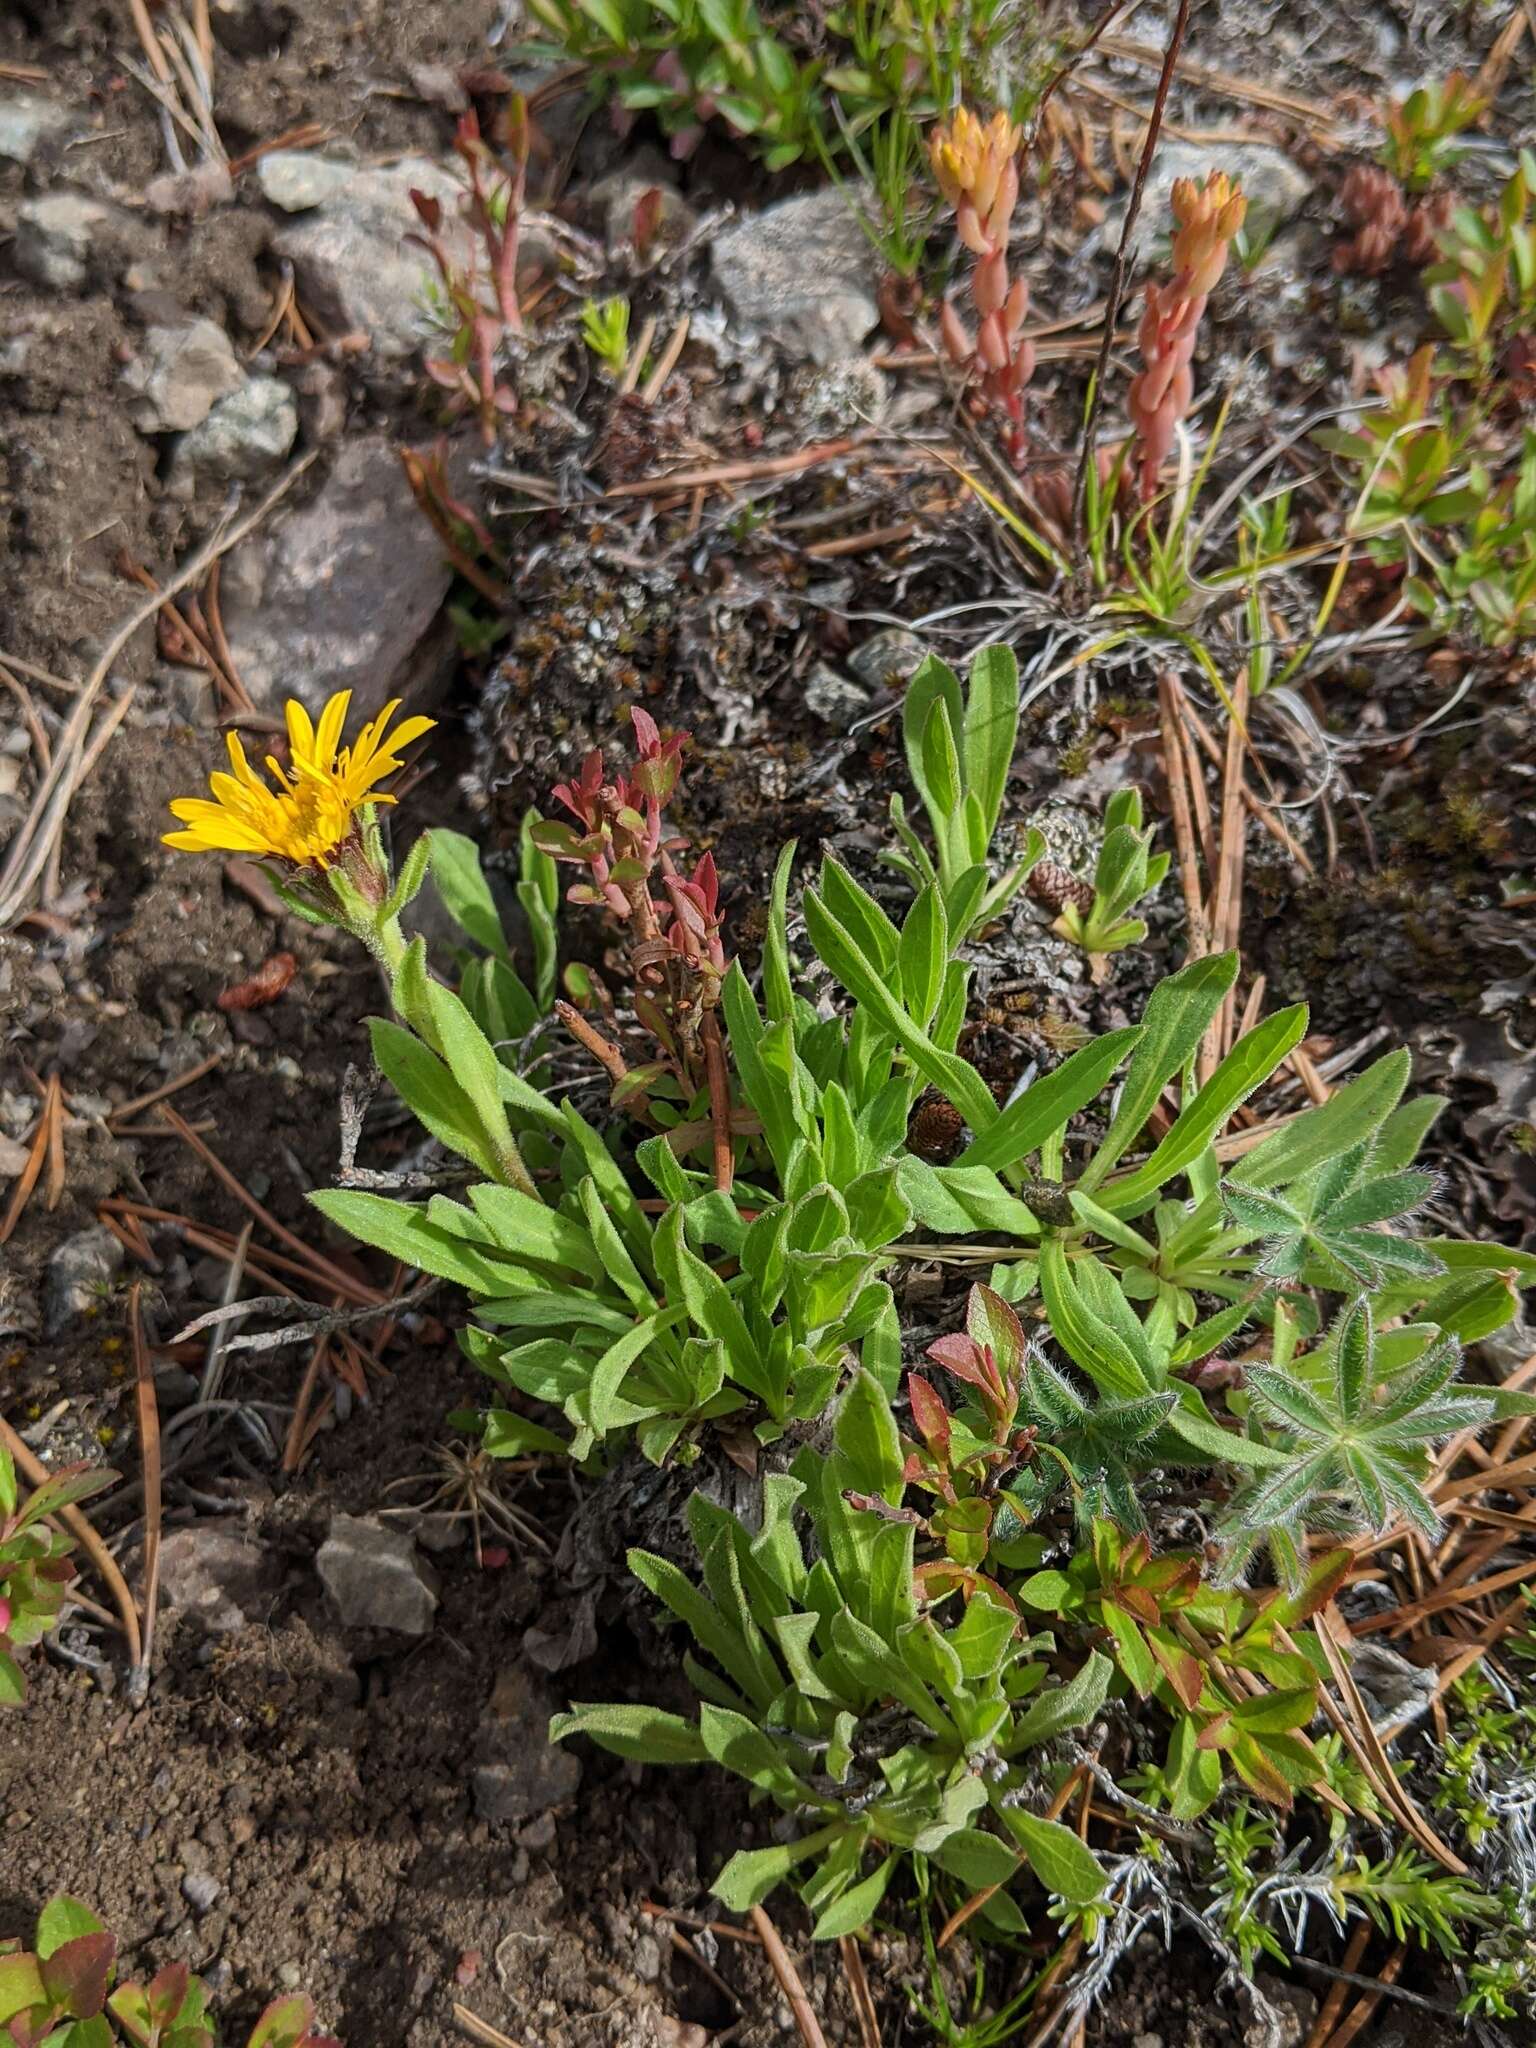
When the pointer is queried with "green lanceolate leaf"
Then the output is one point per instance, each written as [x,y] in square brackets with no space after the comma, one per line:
[1044,1109]
[989,729]
[406,1234]
[956,1079]
[1249,1064]
[1061,1860]
[429,1091]
[1178,1013]
[1346,1120]
[465,892]
[644,1734]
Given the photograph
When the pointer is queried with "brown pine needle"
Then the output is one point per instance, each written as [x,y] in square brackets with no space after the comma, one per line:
[171,1087]
[26,1180]
[783,1966]
[859,1991]
[1364,2008]
[1328,2012]
[149,1441]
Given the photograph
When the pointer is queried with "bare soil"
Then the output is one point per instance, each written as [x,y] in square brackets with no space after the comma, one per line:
[320,1780]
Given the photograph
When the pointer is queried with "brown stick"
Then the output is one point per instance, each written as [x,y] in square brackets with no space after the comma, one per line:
[149,1444]
[783,1967]
[1122,265]
[293,1445]
[1226,910]
[36,1473]
[736,472]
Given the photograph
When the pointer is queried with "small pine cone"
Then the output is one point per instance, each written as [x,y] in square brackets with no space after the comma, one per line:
[936,1129]
[1055,886]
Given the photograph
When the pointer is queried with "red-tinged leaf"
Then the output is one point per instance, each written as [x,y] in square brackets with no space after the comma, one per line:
[1137,1555]
[994,1326]
[64,1488]
[1324,1577]
[961,1356]
[930,1415]
[31,2028]
[647,736]
[1218,1733]
[1180,1666]
[76,1976]
[656,776]
[938,1579]
[1177,1576]
[429,210]
[1136,1600]
[286,2023]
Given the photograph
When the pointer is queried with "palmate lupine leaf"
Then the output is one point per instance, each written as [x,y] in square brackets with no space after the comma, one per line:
[1087,1447]
[1361,1433]
[1327,1224]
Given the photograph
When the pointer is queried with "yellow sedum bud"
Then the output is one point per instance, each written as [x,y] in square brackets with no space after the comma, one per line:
[971,162]
[1208,215]
[310,816]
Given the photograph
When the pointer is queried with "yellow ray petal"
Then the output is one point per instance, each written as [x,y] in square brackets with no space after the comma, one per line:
[332,719]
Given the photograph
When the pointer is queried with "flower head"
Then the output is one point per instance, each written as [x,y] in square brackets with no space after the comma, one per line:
[310,815]
[1208,215]
[975,170]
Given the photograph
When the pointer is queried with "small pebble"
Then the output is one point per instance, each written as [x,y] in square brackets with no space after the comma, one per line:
[200,1890]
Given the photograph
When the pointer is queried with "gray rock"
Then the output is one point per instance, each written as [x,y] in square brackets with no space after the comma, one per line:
[32,126]
[179,375]
[215,1575]
[518,1771]
[201,1889]
[245,435]
[353,264]
[78,1275]
[58,238]
[834,697]
[376,1578]
[297,179]
[341,592]
[1276,187]
[889,659]
[1395,1691]
[802,274]
[621,191]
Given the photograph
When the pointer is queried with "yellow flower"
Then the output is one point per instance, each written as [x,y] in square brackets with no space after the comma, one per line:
[971,161]
[309,816]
